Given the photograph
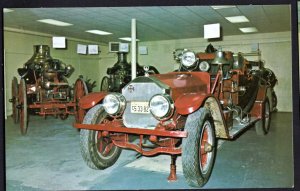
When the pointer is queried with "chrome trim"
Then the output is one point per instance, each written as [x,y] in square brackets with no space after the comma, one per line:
[144,89]
[170,109]
[122,103]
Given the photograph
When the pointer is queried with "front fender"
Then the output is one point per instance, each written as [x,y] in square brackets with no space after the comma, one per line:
[188,103]
[91,99]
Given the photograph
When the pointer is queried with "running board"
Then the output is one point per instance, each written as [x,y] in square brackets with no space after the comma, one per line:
[240,127]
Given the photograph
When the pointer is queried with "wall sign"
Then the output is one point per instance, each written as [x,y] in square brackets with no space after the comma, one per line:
[81,49]
[93,49]
[212,31]
[59,42]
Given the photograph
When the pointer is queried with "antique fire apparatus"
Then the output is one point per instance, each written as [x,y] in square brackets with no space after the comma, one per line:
[213,95]
[120,74]
[44,89]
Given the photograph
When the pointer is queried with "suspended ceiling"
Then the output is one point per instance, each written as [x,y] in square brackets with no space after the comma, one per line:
[153,23]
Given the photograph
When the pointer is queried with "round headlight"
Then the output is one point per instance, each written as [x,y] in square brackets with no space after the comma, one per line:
[188,59]
[114,103]
[161,106]
[204,66]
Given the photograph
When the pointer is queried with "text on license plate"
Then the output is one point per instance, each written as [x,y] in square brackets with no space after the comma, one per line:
[139,107]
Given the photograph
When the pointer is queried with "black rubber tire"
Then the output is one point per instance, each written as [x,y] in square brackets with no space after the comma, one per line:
[274,101]
[88,142]
[262,126]
[197,123]
[252,99]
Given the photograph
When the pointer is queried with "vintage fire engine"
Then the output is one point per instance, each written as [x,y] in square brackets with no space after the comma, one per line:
[213,95]
[120,74]
[44,89]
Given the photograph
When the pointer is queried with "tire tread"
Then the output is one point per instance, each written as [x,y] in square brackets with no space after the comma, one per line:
[190,162]
[89,118]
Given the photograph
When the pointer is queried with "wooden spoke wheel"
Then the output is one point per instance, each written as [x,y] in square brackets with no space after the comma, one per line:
[80,90]
[23,107]
[98,151]
[14,99]
[104,84]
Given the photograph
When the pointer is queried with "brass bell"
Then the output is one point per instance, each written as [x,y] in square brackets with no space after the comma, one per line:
[219,58]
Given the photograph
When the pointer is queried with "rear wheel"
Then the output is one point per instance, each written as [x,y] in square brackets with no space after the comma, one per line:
[98,151]
[274,101]
[262,127]
[199,148]
[104,84]
[23,107]
[14,99]
[80,90]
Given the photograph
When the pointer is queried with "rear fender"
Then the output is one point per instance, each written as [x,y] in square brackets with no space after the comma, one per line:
[92,99]
[188,103]
[221,127]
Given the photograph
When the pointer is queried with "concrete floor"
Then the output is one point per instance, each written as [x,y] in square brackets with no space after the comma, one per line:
[48,158]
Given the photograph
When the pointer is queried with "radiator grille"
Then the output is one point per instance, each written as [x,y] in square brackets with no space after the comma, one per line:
[140,92]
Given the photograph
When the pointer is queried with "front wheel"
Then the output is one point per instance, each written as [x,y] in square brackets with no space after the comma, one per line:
[98,151]
[199,148]
[262,127]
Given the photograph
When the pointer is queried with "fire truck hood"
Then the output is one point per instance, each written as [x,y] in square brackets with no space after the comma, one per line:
[184,82]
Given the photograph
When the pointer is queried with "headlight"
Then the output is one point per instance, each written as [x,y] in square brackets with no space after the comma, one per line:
[188,59]
[204,66]
[161,106]
[114,103]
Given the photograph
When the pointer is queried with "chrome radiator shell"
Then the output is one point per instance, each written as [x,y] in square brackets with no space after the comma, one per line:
[141,89]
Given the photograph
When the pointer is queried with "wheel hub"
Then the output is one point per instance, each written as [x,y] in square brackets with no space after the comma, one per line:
[207,147]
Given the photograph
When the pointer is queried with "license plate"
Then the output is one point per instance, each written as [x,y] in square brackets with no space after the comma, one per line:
[139,107]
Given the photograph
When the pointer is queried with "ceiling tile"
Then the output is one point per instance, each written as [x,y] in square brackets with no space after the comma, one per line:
[153,23]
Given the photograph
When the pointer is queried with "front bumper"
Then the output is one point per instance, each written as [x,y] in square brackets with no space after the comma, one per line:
[118,128]
[123,139]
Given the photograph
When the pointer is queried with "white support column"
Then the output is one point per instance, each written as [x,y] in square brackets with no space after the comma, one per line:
[133,49]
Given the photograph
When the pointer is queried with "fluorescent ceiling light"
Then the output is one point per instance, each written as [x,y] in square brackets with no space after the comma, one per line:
[54,22]
[237,19]
[98,32]
[127,39]
[222,7]
[5,10]
[248,29]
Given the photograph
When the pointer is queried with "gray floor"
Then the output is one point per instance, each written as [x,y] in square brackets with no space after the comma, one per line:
[48,158]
